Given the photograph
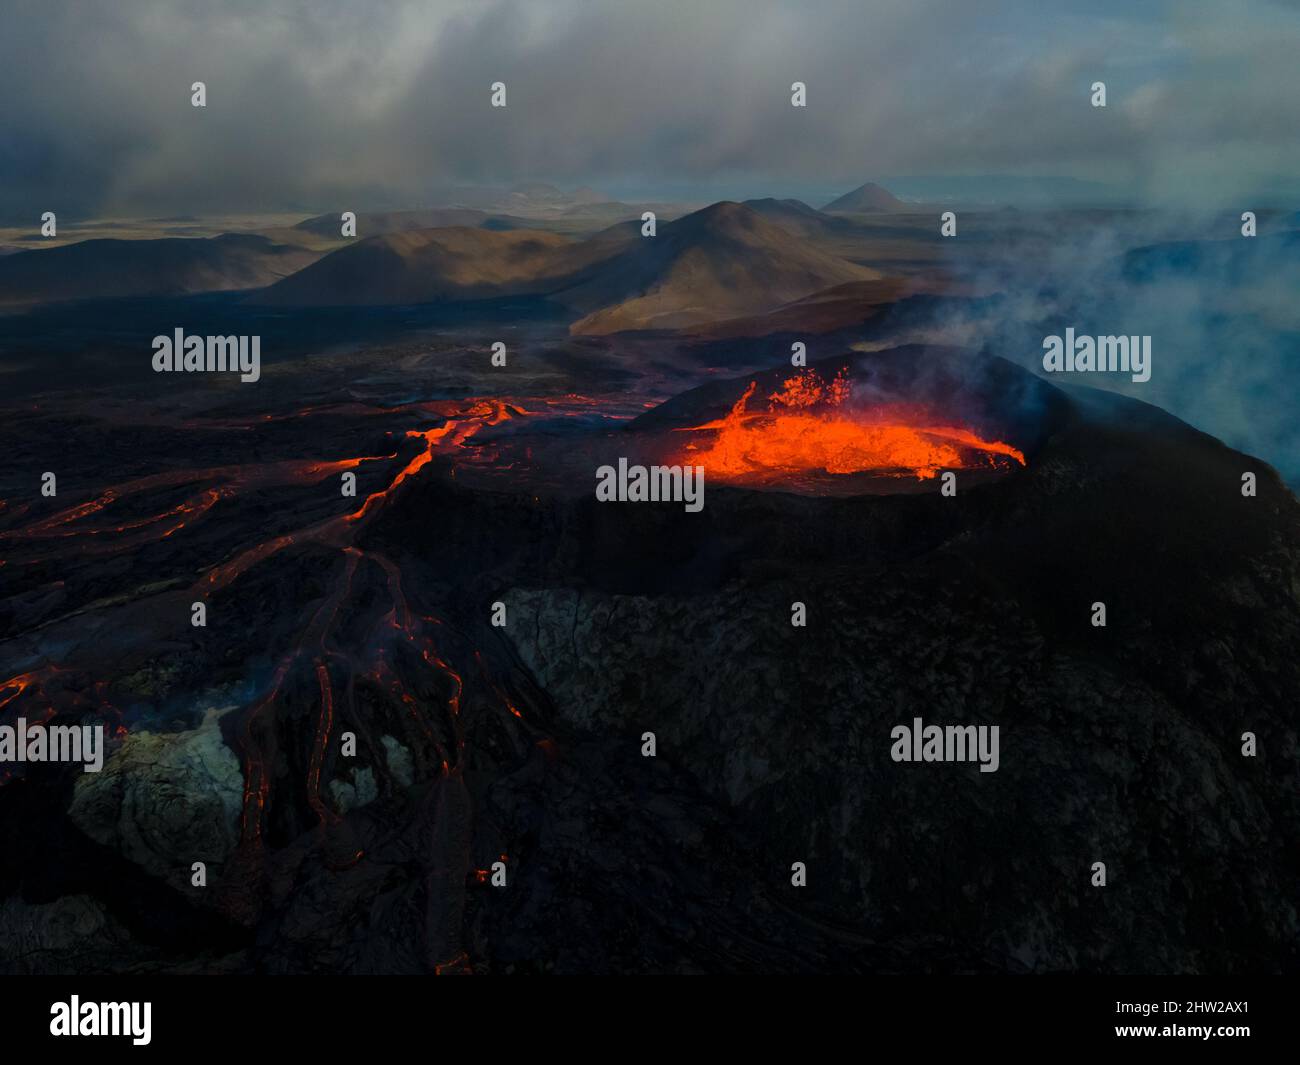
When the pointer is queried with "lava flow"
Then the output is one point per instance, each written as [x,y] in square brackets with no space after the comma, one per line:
[810,426]
[351,664]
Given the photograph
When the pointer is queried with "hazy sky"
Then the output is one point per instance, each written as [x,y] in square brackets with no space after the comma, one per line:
[318,103]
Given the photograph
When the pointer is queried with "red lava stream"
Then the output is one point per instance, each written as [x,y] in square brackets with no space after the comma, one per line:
[333,670]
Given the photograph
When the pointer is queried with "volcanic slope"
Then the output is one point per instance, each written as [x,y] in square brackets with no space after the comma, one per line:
[725,261]
[173,266]
[800,219]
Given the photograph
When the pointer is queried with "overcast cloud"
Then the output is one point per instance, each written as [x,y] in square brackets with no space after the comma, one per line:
[369,103]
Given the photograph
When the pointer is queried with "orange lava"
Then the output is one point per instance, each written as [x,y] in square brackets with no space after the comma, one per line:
[809,427]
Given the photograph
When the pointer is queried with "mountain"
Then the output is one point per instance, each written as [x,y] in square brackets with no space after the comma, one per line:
[373,224]
[429,265]
[798,217]
[865,198]
[173,266]
[724,261]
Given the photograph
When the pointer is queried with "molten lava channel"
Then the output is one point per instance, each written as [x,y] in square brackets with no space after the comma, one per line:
[811,427]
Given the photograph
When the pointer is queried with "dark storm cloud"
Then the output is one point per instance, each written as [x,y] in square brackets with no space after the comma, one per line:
[312,103]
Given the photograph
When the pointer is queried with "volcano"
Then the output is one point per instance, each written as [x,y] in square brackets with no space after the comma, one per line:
[812,425]
[866,199]
[873,423]
[520,743]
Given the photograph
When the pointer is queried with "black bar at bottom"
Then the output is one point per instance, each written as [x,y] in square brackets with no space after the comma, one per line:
[601,1015]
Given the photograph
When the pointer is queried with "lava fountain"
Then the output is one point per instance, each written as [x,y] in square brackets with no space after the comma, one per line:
[812,426]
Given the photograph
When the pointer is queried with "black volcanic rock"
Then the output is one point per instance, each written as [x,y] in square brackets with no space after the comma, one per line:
[1119,744]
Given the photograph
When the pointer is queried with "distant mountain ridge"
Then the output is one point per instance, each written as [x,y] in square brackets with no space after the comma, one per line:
[375,223]
[724,261]
[429,265]
[727,261]
[109,268]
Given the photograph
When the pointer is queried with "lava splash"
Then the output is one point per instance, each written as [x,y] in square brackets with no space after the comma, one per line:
[810,426]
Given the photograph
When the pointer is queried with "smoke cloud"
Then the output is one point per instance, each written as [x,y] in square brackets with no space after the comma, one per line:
[383,102]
